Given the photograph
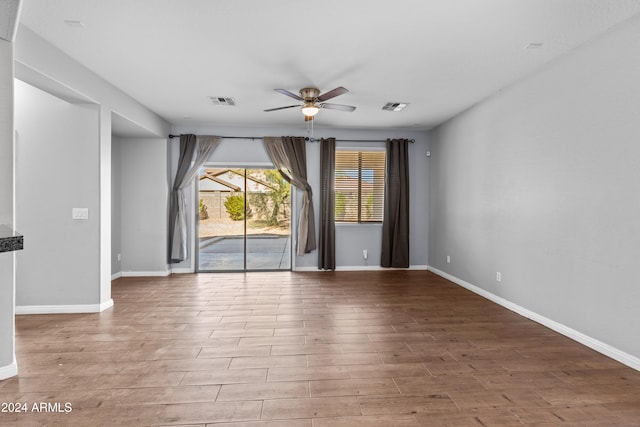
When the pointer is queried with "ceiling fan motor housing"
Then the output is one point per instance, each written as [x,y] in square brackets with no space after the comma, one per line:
[309,93]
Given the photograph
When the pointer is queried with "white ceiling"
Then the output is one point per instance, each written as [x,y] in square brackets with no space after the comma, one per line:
[441,56]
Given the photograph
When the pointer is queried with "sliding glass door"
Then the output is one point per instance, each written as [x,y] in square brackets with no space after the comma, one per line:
[244,221]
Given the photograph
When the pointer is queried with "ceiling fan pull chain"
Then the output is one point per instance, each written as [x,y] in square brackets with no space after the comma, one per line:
[310,128]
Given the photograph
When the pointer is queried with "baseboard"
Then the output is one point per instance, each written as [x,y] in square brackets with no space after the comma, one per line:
[603,348]
[9,370]
[378,268]
[304,269]
[145,273]
[364,268]
[106,305]
[116,275]
[184,270]
[64,309]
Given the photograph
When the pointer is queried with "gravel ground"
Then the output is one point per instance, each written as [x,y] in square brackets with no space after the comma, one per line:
[227,227]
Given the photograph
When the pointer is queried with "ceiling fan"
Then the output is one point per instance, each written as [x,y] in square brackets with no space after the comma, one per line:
[313,101]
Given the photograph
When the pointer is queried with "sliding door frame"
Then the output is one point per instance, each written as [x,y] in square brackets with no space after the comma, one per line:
[196,217]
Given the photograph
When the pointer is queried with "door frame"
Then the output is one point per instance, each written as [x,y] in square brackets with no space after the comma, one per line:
[196,217]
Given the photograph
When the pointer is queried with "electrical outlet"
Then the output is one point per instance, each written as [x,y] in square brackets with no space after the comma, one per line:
[365,254]
[499,276]
[448,259]
[119,257]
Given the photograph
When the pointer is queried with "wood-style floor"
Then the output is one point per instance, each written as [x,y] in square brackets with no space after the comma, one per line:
[391,348]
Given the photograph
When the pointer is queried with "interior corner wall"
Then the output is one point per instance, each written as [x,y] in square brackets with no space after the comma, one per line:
[350,239]
[116,206]
[541,182]
[7,265]
[144,198]
[57,169]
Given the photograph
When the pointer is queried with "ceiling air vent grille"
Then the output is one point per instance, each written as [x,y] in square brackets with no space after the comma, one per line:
[220,100]
[395,106]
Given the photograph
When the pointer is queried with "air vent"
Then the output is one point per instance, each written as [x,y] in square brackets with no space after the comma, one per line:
[73,23]
[533,46]
[395,106]
[220,100]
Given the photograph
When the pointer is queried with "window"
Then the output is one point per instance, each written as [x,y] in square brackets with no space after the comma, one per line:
[359,186]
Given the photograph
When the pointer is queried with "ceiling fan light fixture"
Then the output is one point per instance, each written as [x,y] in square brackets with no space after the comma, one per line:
[309,109]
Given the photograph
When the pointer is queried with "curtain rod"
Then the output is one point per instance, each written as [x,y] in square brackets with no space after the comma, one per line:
[306,138]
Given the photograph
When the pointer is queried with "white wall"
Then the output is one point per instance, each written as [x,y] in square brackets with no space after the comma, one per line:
[542,183]
[57,169]
[350,239]
[144,197]
[7,282]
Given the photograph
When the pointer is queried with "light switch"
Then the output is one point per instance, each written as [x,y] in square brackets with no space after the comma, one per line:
[80,213]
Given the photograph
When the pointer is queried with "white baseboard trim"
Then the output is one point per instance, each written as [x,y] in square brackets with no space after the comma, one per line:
[106,305]
[612,352]
[64,309]
[116,275]
[9,370]
[145,273]
[378,268]
[184,270]
[363,268]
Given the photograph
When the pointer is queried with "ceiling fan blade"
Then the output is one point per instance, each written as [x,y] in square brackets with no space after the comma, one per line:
[282,108]
[332,94]
[291,94]
[338,107]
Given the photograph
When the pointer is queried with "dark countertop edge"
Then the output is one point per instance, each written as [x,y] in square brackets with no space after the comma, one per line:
[10,240]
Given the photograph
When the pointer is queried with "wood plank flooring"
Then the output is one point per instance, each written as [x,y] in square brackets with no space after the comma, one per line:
[385,348]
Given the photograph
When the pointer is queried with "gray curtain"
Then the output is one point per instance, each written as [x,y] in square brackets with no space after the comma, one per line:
[194,152]
[289,155]
[395,224]
[326,239]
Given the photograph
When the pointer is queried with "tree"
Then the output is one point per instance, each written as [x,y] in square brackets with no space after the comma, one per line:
[235,206]
[280,193]
[268,205]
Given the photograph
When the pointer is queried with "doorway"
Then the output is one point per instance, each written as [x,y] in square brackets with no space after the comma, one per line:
[244,220]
